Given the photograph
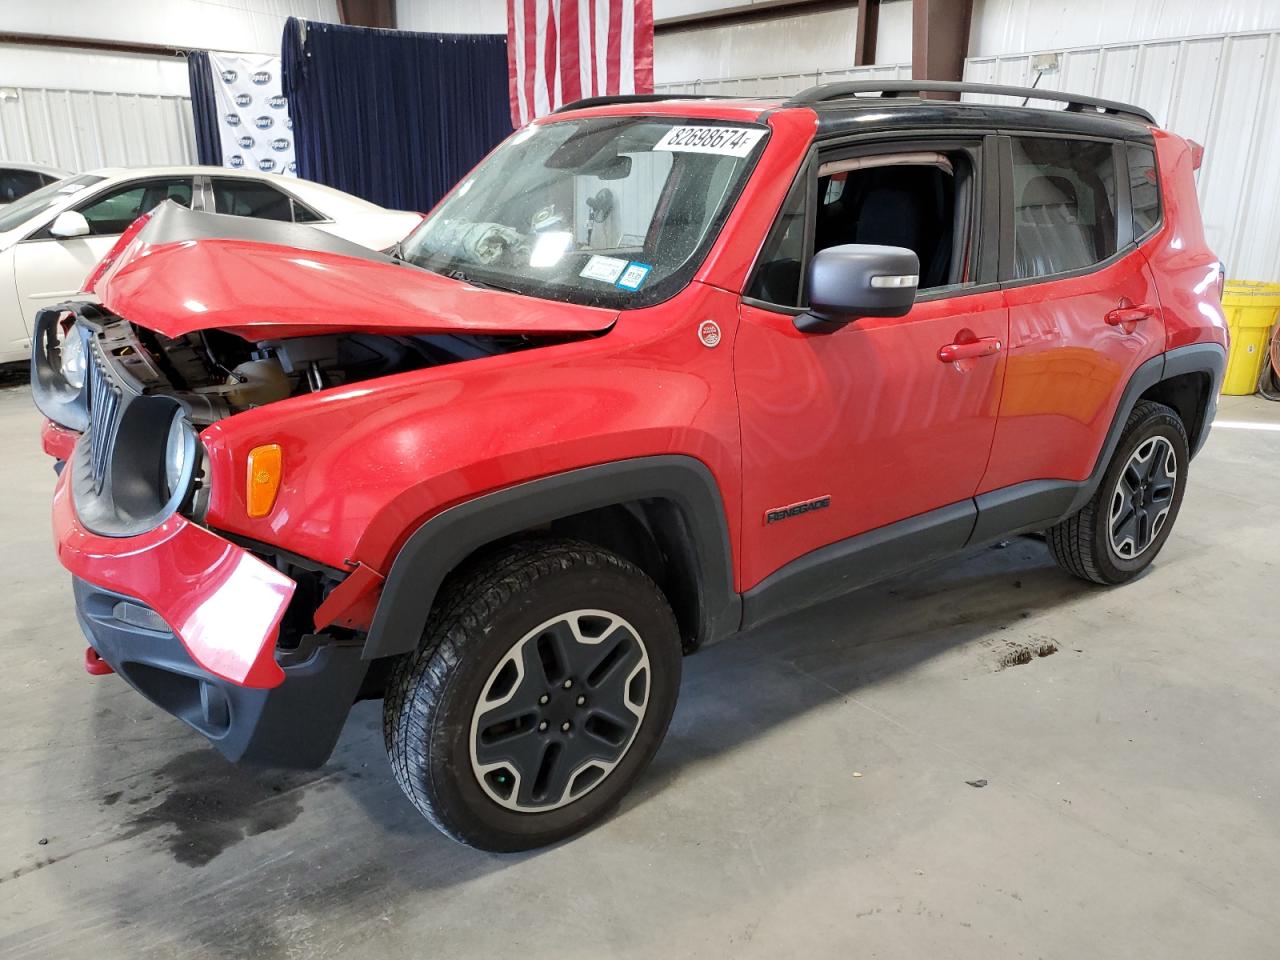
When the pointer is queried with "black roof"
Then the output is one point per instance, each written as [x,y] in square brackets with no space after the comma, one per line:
[857,106]
[841,118]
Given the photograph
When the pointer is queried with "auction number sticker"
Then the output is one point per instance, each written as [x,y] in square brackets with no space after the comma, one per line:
[606,269]
[727,141]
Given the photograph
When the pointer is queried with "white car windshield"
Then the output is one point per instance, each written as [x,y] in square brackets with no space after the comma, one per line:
[610,211]
[38,201]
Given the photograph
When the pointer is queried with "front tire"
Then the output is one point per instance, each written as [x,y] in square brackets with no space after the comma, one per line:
[1117,534]
[543,685]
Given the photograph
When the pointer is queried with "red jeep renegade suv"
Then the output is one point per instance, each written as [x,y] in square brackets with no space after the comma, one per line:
[656,371]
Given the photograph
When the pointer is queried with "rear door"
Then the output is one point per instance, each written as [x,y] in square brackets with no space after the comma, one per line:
[871,422]
[48,270]
[1083,309]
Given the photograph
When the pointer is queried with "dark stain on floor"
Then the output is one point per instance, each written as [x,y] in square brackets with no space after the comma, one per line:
[203,805]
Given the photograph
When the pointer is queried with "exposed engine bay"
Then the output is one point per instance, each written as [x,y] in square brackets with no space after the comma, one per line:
[215,374]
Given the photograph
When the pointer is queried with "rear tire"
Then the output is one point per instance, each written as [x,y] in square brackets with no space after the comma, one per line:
[1117,534]
[543,685]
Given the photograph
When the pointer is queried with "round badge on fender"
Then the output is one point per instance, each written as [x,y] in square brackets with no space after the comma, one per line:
[709,333]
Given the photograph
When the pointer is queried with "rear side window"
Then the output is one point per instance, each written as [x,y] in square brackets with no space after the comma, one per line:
[250,198]
[1064,215]
[1144,189]
[18,183]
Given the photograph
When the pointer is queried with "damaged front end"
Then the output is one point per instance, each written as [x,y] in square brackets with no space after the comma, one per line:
[204,317]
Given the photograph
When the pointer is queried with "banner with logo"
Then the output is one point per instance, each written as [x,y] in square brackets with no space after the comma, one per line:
[253,114]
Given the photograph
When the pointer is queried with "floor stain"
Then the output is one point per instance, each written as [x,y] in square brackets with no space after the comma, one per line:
[205,805]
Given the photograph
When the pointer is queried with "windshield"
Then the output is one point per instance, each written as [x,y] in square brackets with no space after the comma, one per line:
[38,201]
[613,211]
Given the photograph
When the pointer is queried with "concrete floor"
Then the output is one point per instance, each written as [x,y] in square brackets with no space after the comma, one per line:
[1130,809]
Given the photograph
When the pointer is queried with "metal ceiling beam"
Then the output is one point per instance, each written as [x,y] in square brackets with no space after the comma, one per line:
[864,50]
[368,13]
[940,40]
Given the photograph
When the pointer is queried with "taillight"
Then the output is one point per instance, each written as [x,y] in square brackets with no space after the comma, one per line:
[1197,154]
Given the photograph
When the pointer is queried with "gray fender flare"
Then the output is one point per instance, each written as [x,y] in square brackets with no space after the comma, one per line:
[445,540]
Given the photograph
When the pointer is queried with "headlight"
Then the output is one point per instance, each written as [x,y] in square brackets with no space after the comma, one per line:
[74,360]
[177,451]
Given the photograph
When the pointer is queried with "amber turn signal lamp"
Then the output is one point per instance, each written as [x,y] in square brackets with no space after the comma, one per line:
[265,463]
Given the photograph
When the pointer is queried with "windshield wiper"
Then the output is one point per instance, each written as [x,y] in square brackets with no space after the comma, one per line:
[483,284]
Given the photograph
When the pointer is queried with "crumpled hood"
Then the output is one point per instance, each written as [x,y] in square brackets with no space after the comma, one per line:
[183,271]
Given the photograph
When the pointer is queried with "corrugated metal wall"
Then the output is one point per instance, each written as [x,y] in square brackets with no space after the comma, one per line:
[784,84]
[82,129]
[1220,91]
[83,108]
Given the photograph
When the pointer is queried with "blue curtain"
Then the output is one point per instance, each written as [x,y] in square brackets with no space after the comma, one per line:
[204,108]
[392,116]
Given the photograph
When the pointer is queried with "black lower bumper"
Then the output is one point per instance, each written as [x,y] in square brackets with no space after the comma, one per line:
[293,725]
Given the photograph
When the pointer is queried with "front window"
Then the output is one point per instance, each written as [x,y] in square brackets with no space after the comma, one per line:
[611,211]
[37,202]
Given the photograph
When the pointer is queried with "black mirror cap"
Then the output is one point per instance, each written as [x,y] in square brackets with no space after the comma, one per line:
[858,280]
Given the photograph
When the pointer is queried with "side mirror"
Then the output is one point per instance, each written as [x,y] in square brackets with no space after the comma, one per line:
[69,223]
[858,280]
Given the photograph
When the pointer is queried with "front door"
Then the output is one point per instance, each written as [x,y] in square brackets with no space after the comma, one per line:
[48,270]
[878,422]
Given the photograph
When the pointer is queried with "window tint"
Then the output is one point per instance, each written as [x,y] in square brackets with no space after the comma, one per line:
[1144,189]
[112,212]
[777,277]
[18,183]
[1064,204]
[250,198]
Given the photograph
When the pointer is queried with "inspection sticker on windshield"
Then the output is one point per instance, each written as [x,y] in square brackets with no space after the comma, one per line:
[607,269]
[634,275]
[728,141]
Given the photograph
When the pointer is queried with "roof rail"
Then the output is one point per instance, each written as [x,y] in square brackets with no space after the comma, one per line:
[634,98]
[893,88]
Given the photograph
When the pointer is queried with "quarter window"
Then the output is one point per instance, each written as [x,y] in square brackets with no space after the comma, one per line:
[778,273]
[1144,189]
[1064,204]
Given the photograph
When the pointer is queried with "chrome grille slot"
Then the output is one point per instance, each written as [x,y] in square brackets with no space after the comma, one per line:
[104,421]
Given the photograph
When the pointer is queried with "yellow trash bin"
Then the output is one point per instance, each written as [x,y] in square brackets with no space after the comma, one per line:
[1251,309]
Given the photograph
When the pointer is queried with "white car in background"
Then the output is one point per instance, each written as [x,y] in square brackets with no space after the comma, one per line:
[51,239]
[19,179]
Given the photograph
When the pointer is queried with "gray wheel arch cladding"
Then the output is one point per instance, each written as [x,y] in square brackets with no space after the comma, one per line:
[445,540]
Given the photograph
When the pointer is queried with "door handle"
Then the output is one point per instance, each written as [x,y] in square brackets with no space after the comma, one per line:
[1130,313]
[968,351]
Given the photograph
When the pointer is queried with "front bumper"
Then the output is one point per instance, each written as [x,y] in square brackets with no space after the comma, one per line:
[293,725]
[222,603]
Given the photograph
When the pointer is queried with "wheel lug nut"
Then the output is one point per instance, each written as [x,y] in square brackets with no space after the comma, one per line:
[581,701]
[565,726]
[542,726]
[568,684]
[543,699]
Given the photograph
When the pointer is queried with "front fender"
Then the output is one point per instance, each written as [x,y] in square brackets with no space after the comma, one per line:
[440,544]
[365,464]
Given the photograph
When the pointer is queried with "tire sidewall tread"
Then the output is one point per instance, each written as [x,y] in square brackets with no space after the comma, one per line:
[430,691]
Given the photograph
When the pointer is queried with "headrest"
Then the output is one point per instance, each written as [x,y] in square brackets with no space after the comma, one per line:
[1048,191]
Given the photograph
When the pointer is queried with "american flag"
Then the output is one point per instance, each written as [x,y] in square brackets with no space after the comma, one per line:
[559,51]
